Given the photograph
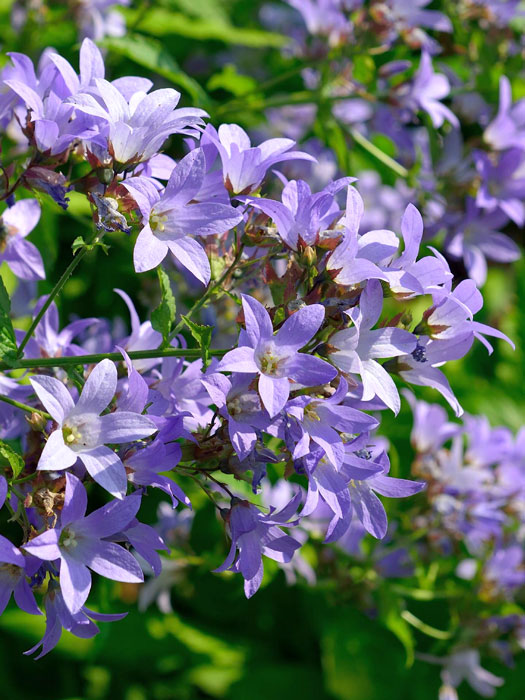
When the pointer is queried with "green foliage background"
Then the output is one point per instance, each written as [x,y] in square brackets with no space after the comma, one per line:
[287,642]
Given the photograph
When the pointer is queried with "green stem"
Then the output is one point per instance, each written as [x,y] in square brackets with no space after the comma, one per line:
[238,102]
[53,294]
[207,294]
[115,356]
[378,153]
[423,627]
[25,407]
[25,478]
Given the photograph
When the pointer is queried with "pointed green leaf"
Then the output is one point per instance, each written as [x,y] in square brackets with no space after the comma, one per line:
[150,53]
[7,334]
[163,316]
[202,335]
[8,457]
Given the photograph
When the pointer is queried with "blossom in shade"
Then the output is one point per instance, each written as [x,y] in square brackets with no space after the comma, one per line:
[79,545]
[16,223]
[49,340]
[59,617]
[477,237]
[145,465]
[502,183]
[276,358]
[14,568]
[82,432]
[172,218]
[465,665]
[255,534]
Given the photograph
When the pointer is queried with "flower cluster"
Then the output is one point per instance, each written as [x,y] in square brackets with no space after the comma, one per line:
[474,517]
[455,155]
[331,320]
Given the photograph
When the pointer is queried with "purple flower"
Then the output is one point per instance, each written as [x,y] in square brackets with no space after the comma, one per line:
[352,488]
[301,215]
[431,425]
[426,91]
[49,341]
[133,130]
[320,421]
[475,237]
[59,617]
[22,256]
[255,534]
[180,385]
[276,359]
[242,406]
[79,545]
[507,129]
[142,337]
[365,502]
[97,18]
[145,465]
[171,218]
[501,184]
[82,432]
[14,570]
[358,347]
[505,568]
[325,18]
[243,165]
[465,665]
[354,259]
[451,319]
[408,276]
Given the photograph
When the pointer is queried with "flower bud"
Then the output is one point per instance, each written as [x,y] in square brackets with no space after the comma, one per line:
[37,421]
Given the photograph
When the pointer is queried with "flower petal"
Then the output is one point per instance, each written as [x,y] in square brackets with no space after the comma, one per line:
[106,469]
[99,389]
[54,396]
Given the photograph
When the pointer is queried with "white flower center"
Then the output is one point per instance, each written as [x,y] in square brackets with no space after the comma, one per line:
[270,361]
[82,432]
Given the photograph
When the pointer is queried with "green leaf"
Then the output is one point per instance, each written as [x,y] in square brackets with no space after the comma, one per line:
[8,457]
[163,316]
[78,243]
[232,81]
[149,53]
[8,347]
[162,22]
[202,335]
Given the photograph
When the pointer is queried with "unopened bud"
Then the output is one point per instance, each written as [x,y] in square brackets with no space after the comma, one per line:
[309,255]
[37,421]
